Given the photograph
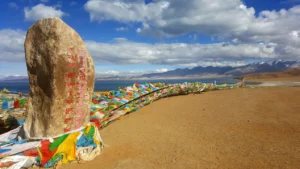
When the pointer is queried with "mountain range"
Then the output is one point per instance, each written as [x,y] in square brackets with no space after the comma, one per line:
[258,67]
[13,78]
[228,71]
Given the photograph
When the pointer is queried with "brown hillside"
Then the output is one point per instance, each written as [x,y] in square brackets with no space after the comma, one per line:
[286,75]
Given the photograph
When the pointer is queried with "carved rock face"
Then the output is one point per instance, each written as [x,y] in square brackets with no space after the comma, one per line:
[61,75]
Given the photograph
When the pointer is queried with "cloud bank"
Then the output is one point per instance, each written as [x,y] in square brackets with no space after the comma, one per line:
[228,20]
[128,52]
[123,51]
[12,45]
[42,11]
[248,36]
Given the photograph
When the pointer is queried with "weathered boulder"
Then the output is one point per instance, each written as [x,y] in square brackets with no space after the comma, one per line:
[61,75]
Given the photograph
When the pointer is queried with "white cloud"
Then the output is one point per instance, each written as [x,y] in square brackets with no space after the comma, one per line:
[128,52]
[122,51]
[161,70]
[122,29]
[109,73]
[229,18]
[44,1]
[41,11]
[173,17]
[124,11]
[13,5]
[224,19]
[12,45]
[215,64]
[280,28]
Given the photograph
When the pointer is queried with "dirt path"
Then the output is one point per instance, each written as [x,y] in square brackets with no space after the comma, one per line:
[236,129]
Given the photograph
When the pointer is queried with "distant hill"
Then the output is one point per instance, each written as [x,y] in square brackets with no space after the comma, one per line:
[190,72]
[259,67]
[262,67]
[210,71]
[293,73]
[14,78]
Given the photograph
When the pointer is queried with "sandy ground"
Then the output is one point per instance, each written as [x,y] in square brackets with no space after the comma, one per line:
[234,129]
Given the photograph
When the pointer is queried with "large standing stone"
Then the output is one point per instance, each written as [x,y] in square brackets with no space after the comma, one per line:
[61,75]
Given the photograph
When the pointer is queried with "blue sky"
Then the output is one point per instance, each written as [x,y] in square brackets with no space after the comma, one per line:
[129,37]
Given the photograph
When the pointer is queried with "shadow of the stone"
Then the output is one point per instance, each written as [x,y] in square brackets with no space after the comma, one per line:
[8,124]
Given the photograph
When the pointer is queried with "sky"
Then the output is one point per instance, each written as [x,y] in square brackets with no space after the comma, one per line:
[132,37]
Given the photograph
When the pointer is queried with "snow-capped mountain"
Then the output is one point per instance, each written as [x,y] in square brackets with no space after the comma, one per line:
[17,77]
[258,67]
